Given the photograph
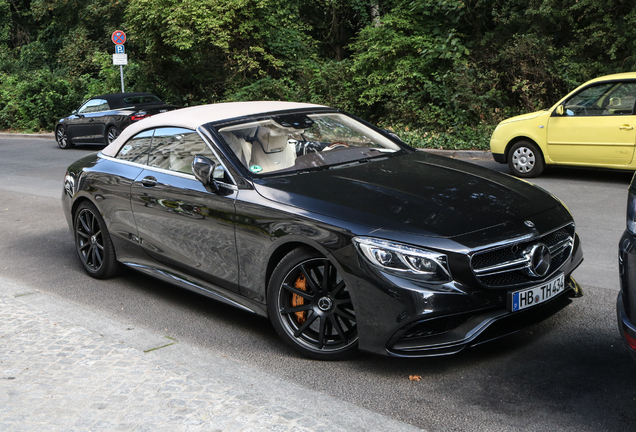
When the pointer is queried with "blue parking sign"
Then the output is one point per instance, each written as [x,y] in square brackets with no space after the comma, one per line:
[119,49]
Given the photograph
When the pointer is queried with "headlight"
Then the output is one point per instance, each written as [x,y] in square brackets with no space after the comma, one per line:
[406,261]
[631,212]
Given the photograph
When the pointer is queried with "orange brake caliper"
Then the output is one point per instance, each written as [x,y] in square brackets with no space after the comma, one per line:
[296,300]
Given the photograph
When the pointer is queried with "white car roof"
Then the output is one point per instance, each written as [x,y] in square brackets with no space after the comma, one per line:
[193,117]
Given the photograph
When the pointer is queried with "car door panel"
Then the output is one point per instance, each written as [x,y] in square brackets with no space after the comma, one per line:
[95,127]
[607,140]
[596,126]
[79,129]
[184,226]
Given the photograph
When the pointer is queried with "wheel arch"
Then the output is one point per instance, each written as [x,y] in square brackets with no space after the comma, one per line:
[78,202]
[515,140]
[279,253]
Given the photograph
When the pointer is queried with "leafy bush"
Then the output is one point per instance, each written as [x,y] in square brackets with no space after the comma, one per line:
[460,138]
[441,72]
[36,102]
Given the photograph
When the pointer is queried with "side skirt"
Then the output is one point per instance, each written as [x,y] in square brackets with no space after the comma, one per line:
[207,289]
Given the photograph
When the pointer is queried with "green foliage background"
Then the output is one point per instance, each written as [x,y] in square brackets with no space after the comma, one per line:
[439,73]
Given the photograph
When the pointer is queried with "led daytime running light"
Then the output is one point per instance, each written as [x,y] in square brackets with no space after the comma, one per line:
[404,260]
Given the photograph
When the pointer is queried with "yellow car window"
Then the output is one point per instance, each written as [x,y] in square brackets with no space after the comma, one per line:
[603,100]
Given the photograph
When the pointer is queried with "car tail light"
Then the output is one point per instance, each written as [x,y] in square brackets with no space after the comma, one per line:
[139,116]
[630,341]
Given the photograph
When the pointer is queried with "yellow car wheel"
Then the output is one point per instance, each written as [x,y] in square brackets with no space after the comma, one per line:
[525,159]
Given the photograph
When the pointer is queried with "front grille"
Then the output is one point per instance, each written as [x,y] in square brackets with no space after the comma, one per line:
[509,265]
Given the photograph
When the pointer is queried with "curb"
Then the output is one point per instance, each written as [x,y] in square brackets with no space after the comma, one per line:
[32,136]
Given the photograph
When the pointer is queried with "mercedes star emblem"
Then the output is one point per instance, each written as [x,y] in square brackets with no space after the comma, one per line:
[539,260]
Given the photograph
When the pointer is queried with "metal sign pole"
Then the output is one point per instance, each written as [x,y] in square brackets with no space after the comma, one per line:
[120,58]
[121,72]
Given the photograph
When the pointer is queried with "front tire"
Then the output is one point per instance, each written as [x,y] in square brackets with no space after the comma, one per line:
[310,307]
[92,242]
[526,160]
[62,138]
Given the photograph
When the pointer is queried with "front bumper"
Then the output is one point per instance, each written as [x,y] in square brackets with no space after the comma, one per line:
[499,157]
[626,301]
[478,327]
[403,318]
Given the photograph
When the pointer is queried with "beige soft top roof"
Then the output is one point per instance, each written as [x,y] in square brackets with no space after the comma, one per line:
[196,116]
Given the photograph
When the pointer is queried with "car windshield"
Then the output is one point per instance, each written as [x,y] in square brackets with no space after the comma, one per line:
[299,142]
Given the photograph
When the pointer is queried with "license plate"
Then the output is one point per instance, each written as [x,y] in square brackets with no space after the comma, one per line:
[529,297]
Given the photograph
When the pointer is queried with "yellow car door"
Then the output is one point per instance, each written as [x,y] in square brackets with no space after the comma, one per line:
[596,127]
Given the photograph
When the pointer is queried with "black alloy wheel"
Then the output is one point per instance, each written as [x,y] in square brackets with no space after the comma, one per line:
[93,244]
[525,159]
[311,308]
[62,138]
[111,134]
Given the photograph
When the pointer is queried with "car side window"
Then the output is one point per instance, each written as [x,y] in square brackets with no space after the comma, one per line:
[174,149]
[605,99]
[94,105]
[137,148]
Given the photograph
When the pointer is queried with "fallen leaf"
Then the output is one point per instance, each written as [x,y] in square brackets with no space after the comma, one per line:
[415,377]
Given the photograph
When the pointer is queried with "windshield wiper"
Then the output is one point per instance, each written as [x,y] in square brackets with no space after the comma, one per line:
[356,162]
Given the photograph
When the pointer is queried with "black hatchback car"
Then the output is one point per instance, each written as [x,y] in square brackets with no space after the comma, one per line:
[345,237]
[102,118]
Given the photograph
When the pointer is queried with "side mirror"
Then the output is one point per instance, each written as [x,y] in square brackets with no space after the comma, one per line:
[560,110]
[203,169]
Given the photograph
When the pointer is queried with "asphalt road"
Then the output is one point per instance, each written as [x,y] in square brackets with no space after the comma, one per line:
[568,373]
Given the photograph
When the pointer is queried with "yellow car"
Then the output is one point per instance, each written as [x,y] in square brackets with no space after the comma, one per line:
[593,126]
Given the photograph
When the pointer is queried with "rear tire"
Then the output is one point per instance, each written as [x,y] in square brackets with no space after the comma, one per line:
[111,134]
[525,159]
[310,307]
[92,242]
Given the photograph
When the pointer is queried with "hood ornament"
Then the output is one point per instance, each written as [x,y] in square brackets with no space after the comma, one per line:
[529,223]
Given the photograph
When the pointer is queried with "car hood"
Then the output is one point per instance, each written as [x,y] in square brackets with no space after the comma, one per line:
[419,193]
[528,116]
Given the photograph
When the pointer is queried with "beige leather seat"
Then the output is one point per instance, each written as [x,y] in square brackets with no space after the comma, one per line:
[270,150]
[241,148]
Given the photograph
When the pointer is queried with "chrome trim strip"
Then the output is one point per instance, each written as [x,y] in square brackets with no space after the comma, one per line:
[518,264]
[561,246]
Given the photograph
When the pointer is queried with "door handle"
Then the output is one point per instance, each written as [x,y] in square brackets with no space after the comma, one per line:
[149,181]
[626,127]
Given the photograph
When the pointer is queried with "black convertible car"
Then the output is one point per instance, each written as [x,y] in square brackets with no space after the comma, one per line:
[102,118]
[345,237]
